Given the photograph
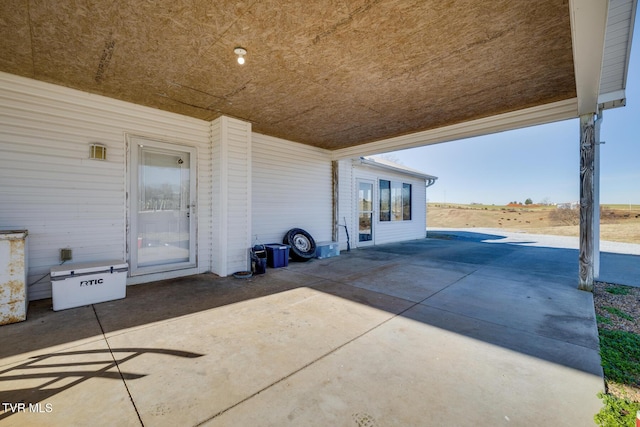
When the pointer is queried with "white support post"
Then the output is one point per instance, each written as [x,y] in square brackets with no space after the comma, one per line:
[596,198]
[231,175]
[587,165]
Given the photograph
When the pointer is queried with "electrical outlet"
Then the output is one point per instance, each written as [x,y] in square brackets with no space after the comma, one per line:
[66,254]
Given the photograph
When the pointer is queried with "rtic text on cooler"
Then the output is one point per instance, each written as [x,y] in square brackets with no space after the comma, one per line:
[91,282]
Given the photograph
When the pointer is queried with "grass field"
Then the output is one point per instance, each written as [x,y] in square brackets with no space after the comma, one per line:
[618,223]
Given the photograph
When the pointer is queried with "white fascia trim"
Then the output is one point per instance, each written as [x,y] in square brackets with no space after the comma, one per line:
[632,24]
[588,29]
[541,114]
[607,101]
[612,96]
[373,163]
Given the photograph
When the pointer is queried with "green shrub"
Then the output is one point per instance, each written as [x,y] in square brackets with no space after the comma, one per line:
[616,412]
[619,313]
[620,354]
[619,290]
[604,320]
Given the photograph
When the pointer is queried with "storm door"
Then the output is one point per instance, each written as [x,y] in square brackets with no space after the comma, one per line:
[162,202]
[365,212]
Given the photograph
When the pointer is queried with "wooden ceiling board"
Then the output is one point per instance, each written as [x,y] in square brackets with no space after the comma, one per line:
[160,41]
[61,49]
[329,73]
[15,38]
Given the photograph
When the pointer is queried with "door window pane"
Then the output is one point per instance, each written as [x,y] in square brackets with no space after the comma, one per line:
[365,211]
[365,197]
[163,207]
[365,232]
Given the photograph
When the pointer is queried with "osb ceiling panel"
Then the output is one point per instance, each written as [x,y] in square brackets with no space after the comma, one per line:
[330,73]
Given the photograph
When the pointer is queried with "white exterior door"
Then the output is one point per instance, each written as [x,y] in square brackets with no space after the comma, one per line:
[365,202]
[162,207]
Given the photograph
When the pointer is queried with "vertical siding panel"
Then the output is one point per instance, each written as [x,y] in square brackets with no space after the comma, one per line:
[204,202]
[346,204]
[216,195]
[239,197]
[49,186]
[231,140]
[291,187]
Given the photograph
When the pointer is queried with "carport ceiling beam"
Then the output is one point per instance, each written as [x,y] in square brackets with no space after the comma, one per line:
[588,27]
[547,113]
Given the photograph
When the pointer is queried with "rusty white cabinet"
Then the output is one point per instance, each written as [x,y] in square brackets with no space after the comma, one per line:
[13,276]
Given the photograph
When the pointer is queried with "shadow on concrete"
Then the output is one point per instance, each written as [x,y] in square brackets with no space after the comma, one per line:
[144,304]
[523,298]
[511,295]
[55,377]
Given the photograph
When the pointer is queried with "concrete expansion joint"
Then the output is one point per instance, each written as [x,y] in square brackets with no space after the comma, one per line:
[323,356]
[116,364]
[445,287]
[305,366]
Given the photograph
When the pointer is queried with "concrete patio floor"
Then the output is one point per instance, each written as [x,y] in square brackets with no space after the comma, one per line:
[433,332]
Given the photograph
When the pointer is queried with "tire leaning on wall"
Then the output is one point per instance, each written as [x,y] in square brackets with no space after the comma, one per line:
[303,247]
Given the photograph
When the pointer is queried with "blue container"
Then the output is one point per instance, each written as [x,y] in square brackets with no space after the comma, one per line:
[277,255]
[327,249]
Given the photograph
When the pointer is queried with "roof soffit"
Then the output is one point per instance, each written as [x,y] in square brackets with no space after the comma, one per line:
[333,74]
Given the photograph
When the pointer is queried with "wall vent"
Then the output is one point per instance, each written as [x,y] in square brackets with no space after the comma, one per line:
[98,152]
[66,254]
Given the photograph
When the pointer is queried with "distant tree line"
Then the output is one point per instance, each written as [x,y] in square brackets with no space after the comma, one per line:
[526,202]
[529,201]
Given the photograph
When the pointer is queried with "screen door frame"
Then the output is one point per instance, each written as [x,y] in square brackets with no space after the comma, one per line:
[135,144]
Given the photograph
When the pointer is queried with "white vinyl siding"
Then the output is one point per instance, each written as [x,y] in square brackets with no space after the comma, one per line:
[49,186]
[384,231]
[248,184]
[239,197]
[218,233]
[292,188]
[415,228]
[231,144]
[617,46]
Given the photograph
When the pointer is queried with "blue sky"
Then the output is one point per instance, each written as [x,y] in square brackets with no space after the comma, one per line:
[540,162]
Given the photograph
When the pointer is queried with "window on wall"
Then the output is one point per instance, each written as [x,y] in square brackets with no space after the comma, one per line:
[406,202]
[385,200]
[395,201]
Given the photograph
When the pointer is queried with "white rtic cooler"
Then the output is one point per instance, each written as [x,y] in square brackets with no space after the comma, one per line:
[75,285]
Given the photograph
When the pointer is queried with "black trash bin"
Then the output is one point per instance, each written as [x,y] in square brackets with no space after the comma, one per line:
[258,259]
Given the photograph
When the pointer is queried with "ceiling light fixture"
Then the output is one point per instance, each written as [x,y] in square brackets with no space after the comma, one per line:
[241,52]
